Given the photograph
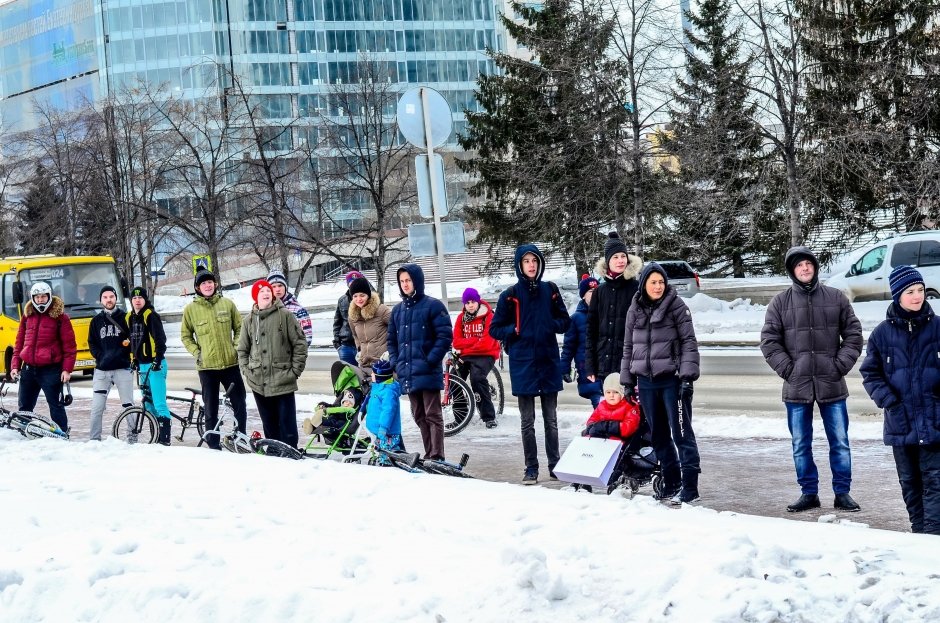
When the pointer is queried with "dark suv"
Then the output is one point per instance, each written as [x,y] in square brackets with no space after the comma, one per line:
[681,277]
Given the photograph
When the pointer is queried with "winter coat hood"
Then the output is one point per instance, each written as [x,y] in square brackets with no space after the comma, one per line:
[417,278]
[645,275]
[520,252]
[796,255]
[56,309]
[634,266]
[366,312]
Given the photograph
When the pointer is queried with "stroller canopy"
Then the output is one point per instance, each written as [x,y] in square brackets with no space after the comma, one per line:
[346,376]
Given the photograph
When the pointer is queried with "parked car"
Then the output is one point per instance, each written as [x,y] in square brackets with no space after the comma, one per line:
[682,277]
[867,278]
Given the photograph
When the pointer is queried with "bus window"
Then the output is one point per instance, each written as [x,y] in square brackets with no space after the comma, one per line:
[9,307]
[78,285]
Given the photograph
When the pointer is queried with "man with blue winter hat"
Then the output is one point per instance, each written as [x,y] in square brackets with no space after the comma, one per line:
[812,339]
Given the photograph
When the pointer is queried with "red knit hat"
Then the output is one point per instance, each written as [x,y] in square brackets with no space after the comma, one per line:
[261,283]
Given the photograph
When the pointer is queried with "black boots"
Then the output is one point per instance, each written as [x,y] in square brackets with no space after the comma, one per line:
[689,491]
[164,436]
[844,502]
[806,502]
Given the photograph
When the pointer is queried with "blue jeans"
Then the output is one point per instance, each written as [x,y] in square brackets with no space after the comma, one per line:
[835,419]
[347,354]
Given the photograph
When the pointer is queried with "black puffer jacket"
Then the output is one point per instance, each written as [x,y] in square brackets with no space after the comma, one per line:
[607,313]
[342,334]
[811,338]
[659,337]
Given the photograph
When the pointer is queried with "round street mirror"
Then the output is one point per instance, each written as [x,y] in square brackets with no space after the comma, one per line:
[411,117]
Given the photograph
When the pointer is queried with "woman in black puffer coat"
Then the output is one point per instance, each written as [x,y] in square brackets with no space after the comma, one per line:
[660,354]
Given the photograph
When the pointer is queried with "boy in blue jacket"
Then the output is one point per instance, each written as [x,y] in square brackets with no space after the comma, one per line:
[383,415]
[573,347]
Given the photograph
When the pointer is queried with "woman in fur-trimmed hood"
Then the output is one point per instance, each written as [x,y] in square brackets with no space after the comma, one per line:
[368,321]
[607,312]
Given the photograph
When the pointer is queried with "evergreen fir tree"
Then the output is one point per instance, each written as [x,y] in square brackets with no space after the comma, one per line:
[547,144]
[42,227]
[723,218]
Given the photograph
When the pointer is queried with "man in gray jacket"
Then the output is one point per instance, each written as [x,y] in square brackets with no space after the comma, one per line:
[812,339]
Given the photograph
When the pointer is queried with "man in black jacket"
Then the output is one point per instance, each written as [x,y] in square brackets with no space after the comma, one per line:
[607,313]
[109,343]
[812,339]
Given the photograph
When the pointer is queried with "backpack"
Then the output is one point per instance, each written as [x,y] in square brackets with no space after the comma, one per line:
[511,296]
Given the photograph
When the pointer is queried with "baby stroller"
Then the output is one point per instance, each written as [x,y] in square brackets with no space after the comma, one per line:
[335,427]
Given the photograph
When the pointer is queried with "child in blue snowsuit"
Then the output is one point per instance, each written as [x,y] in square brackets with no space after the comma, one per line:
[383,414]
[573,348]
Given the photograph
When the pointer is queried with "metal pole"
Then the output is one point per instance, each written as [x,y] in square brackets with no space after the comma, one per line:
[435,200]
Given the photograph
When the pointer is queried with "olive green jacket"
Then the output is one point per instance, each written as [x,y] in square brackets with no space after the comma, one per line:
[272,350]
[210,331]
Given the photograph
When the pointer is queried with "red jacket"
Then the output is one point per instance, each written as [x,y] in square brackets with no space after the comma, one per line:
[45,339]
[625,412]
[473,338]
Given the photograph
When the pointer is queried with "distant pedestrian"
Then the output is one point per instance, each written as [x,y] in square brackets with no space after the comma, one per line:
[279,284]
[44,352]
[477,349]
[110,344]
[812,339]
[210,331]
[419,336]
[272,354]
[368,321]
[343,340]
[573,348]
[528,316]
[902,375]
[661,358]
[607,311]
[148,354]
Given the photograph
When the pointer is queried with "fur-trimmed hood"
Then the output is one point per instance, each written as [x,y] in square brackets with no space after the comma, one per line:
[367,312]
[634,266]
[56,309]
[482,310]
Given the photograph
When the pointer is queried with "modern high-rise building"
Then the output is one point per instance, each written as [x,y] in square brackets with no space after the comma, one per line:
[288,52]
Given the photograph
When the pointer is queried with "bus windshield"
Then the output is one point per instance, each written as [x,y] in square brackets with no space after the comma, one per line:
[78,285]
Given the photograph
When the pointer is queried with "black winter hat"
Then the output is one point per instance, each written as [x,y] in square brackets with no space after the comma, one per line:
[202,275]
[613,245]
[360,285]
[106,289]
[141,292]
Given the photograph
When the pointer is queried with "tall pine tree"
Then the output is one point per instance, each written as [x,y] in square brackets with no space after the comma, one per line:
[43,226]
[549,141]
[723,217]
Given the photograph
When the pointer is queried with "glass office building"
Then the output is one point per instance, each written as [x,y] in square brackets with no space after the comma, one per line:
[287,52]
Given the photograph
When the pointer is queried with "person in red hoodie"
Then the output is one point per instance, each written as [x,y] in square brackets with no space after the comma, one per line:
[613,418]
[478,350]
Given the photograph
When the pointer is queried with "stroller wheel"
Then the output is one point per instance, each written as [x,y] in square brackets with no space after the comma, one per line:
[659,486]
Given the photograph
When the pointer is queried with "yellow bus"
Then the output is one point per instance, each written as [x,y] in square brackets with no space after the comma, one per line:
[76,280]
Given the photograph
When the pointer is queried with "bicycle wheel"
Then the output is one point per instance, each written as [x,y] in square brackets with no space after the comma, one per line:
[460,406]
[201,422]
[444,469]
[273,447]
[136,425]
[236,443]
[34,426]
[497,395]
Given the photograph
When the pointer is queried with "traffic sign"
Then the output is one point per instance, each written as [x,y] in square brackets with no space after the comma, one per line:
[411,117]
[422,241]
[202,262]
[424,177]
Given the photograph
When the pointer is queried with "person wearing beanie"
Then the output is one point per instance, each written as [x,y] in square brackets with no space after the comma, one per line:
[148,354]
[210,330]
[272,354]
[573,348]
[383,411]
[608,307]
[419,337]
[529,316]
[109,343]
[477,349]
[368,321]
[280,288]
[812,339]
[343,340]
[901,375]
[661,361]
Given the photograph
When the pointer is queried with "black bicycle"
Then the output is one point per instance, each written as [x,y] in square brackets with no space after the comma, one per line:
[457,412]
[137,424]
[30,425]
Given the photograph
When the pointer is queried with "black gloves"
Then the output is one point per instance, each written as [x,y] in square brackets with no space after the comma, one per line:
[685,389]
[157,365]
[629,392]
[605,429]
[335,344]
[566,378]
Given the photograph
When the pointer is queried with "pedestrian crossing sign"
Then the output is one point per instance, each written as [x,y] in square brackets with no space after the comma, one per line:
[202,262]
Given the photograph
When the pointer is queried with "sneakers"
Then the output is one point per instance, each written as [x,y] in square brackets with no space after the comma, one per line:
[844,502]
[491,424]
[806,502]
[531,477]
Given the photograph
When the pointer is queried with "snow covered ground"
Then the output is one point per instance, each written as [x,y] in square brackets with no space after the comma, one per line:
[109,532]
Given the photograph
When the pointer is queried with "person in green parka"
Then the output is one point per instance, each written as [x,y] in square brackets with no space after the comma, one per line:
[272,354]
[209,332]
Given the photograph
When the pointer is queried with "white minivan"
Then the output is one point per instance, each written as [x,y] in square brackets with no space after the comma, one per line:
[867,278]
